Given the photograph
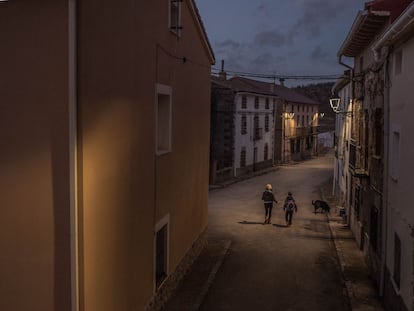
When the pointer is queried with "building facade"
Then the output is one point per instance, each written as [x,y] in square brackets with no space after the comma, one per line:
[104,204]
[380,41]
[256,124]
[254,132]
[396,45]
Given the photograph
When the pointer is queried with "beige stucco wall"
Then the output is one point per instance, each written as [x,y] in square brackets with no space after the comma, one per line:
[34,200]
[120,64]
[123,50]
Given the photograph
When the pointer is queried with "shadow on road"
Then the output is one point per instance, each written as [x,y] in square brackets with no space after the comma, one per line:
[245,222]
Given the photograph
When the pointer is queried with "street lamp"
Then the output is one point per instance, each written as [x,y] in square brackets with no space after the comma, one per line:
[334,102]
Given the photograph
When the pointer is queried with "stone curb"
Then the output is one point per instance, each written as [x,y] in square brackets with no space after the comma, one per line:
[211,277]
[348,285]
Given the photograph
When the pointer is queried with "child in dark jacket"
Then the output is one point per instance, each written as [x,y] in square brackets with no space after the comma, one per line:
[289,207]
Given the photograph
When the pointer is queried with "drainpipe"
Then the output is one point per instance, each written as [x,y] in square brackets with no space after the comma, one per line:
[386,174]
[73,165]
[348,129]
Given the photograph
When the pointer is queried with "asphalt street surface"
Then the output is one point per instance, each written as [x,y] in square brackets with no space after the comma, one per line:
[275,267]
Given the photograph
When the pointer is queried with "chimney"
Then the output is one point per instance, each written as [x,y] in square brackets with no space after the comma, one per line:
[222,73]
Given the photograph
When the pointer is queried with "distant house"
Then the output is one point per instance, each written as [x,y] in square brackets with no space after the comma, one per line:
[256,125]
[104,152]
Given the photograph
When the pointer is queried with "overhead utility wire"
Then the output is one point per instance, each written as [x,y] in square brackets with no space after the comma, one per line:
[274,76]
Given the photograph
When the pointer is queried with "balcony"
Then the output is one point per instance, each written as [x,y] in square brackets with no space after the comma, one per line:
[354,165]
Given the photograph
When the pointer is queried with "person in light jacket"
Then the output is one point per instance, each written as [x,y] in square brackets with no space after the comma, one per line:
[268,199]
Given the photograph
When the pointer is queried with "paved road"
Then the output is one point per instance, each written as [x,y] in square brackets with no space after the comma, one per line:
[274,267]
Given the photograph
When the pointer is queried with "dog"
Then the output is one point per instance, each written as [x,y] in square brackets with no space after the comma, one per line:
[322,205]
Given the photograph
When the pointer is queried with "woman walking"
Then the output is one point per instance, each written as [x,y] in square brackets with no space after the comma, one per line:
[268,199]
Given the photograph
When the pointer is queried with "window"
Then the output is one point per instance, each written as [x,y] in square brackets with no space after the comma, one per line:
[256,102]
[175,16]
[244,102]
[266,151]
[161,251]
[292,146]
[397,260]
[378,131]
[373,234]
[243,124]
[243,157]
[398,62]
[163,119]
[256,128]
[267,103]
[267,123]
[303,121]
[395,154]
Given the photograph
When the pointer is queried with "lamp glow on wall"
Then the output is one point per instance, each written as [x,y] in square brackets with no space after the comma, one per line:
[288,115]
[335,102]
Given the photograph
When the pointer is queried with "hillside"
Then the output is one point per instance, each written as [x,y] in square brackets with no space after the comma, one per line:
[321,93]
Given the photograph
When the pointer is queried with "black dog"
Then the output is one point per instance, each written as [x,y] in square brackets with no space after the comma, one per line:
[319,204]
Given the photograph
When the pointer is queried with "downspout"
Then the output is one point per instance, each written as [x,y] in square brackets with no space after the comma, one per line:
[386,173]
[348,131]
[73,133]
[377,49]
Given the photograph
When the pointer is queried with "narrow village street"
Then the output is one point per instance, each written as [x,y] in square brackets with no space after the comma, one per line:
[270,267]
[274,267]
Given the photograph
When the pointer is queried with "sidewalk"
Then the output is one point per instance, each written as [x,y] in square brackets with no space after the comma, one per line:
[194,287]
[359,286]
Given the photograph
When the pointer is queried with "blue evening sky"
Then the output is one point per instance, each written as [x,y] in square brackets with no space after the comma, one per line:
[293,37]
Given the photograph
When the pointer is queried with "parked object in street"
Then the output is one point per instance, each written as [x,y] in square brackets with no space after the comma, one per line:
[289,207]
[321,205]
[268,199]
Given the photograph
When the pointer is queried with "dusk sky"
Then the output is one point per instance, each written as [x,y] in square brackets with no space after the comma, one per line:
[295,37]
